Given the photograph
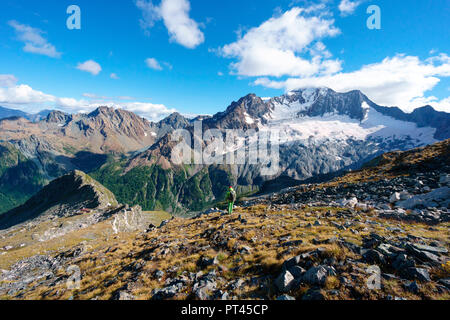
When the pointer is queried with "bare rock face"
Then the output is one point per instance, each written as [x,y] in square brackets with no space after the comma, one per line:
[436,198]
[62,197]
[103,130]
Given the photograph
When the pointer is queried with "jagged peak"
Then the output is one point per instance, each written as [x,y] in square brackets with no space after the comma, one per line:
[173,116]
[315,92]
[247,101]
[427,108]
[322,90]
[109,111]
[56,116]
[105,110]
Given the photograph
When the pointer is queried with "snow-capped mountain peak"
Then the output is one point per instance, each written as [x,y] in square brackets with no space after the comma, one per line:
[315,102]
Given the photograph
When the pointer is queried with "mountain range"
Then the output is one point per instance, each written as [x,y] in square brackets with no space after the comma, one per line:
[322,132]
[14,113]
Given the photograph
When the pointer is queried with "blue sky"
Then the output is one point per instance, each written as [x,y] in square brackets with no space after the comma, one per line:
[197,56]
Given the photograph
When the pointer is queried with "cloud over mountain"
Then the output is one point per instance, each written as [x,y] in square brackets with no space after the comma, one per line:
[24,97]
[396,81]
[278,48]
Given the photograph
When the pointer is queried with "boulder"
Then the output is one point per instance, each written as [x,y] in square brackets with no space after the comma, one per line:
[420,274]
[297,271]
[353,202]
[412,287]
[404,195]
[301,260]
[402,261]
[435,198]
[293,243]
[395,197]
[316,275]
[204,286]
[123,295]
[423,255]
[158,274]
[205,262]
[373,256]
[285,297]
[436,250]
[445,179]
[313,295]
[445,282]
[284,281]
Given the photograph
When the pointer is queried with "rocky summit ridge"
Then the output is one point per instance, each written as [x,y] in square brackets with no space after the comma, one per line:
[62,197]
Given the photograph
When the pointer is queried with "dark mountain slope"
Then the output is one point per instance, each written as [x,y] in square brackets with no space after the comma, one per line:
[62,197]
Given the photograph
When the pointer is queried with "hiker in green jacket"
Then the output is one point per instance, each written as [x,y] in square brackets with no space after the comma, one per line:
[231,198]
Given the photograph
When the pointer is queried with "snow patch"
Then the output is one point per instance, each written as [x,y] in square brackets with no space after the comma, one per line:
[248,119]
[285,117]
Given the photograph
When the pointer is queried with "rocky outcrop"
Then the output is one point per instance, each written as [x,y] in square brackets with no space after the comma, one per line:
[411,185]
[172,122]
[62,197]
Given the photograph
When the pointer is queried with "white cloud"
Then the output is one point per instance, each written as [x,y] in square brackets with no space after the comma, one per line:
[147,110]
[94,96]
[23,94]
[175,15]
[25,98]
[72,104]
[347,7]
[442,105]
[168,65]
[153,64]
[114,76]
[126,98]
[396,81]
[182,29]
[34,42]
[150,14]
[90,66]
[7,80]
[284,45]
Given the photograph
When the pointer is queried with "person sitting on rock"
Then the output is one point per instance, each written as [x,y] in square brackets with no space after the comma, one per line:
[231,198]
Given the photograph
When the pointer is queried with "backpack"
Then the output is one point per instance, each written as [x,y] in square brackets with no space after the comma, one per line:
[232,196]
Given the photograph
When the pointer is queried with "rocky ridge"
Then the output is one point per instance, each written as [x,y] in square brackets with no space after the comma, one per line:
[63,197]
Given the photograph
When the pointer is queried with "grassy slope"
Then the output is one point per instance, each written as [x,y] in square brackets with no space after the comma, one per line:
[94,236]
[186,240]
[393,164]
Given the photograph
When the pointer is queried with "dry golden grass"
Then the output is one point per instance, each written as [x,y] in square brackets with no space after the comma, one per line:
[105,267]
